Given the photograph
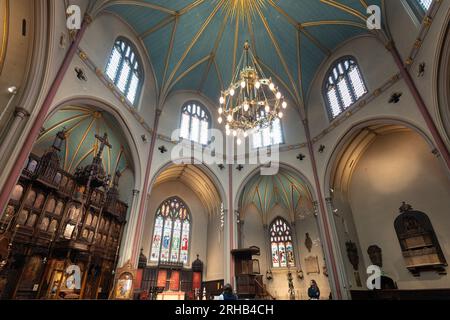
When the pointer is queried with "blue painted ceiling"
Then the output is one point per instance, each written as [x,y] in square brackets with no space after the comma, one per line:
[82,124]
[286,189]
[193,45]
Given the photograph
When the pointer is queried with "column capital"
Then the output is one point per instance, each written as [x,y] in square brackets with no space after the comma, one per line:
[88,18]
[21,113]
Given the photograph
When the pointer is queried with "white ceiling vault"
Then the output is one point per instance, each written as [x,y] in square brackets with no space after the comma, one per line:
[196,180]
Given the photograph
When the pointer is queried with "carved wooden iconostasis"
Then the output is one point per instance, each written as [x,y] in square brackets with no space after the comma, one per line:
[61,231]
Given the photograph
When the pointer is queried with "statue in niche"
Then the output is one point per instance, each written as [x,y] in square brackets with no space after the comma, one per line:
[352,254]
[375,255]
[418,241]
[308,242]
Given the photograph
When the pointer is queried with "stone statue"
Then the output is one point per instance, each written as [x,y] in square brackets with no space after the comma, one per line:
[375,255]
[308,242]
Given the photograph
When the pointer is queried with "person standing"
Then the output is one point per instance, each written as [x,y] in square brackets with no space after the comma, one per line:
[228,293]
[314,291]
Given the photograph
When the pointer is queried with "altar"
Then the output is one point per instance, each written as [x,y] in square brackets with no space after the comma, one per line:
[171,296]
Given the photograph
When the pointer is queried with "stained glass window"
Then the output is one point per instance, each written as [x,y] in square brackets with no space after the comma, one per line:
[171,233]
[281,244]
[343,86]
[195,123]
[124,70]
[269,136]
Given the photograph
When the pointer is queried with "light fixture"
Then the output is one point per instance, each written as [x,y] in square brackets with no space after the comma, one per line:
[252,101]
[12,90]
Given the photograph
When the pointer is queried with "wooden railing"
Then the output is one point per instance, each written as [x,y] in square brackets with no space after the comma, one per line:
[264,290]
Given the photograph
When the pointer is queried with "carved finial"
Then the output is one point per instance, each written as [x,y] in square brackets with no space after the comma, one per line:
[405,207]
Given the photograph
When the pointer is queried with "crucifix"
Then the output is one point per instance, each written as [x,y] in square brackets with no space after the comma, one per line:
[103,143]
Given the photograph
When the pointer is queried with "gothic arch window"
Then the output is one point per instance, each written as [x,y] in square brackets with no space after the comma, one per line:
[420,7]
[171,232]
[195,123]
[269,136]
[281,244]
[124,69]
[343,86]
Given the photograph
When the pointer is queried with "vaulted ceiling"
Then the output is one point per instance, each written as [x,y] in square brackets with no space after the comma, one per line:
[195,179]
[195,44]
[81,125]
[286,189]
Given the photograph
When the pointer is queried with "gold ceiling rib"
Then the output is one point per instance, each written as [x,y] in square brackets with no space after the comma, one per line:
[334,22]
[164,22]
[345,8]
[214,52]
[219,75]
[171,18]
[140,3]
[169,52]
[188,70]
[81,143]
[299,64]
[59,124]
[167,85]
[84,157]
[281,57]
[236,39]
[277,77]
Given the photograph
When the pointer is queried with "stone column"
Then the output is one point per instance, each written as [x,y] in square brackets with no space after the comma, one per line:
[19,115]
[128,240]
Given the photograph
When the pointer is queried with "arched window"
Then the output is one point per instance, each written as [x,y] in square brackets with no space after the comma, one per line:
[195,123]
[124,69]
[171,233]
[420,7]
[269,136]
[343,86]
[281,244]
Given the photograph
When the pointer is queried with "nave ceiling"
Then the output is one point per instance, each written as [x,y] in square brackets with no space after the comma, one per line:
[196,45]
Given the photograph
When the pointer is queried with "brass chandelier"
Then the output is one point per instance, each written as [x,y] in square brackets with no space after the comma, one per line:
[252,101]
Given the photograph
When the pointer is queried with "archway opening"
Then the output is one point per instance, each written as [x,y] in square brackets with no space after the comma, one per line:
[378,168]
[66,216]
[203,245]
[278,215]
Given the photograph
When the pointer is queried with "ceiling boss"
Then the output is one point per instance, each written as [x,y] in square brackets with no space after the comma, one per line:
[252,101]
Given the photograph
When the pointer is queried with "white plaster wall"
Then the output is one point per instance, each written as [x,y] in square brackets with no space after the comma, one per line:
[395,168]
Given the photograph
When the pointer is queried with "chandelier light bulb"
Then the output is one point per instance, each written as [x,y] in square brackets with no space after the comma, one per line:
[272,86]
[245,134]
[222,100]
[257,85]
[239,141]
[230,118]
[243,84]
[234,133]
[280,115]
[284,105]
[267,108]
[220,120]
[246,107]
[220,110]
[232,92]
[278,95]
[228,132]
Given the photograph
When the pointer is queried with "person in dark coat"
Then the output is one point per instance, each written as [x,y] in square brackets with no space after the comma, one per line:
[228,293]
[314,291]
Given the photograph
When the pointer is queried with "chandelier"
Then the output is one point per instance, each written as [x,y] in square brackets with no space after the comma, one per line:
[252,101]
